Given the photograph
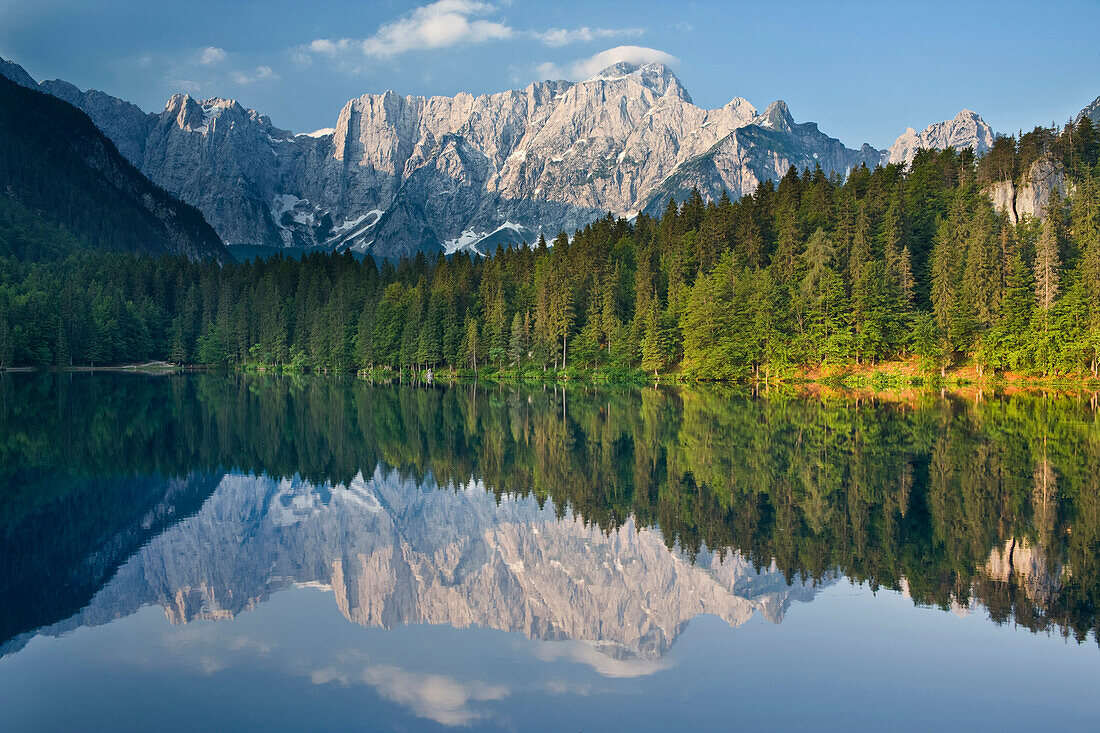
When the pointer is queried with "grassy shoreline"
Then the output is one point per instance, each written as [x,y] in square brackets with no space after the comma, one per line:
[880,377]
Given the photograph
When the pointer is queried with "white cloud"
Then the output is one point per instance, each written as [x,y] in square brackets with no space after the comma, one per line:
[550,70]
[432,696]
[186,85]
[261,72]
[329,47]
[437,697]
[630,54]
[444,24]
[588,67]
[563,36]
[212,55]
[438,25]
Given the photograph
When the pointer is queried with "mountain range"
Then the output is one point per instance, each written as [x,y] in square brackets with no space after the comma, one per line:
[394,551]
[398,174]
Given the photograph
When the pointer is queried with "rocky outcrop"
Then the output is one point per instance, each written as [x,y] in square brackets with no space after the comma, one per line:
[966,130]
[394,552]
[1030,197]
[14,72]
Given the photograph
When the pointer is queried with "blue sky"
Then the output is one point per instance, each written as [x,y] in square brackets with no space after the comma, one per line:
[863,71]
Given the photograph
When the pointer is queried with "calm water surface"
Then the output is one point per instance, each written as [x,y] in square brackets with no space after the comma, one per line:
[210,552]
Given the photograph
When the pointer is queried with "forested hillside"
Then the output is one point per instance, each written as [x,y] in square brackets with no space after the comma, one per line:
[58,171]
[810,271]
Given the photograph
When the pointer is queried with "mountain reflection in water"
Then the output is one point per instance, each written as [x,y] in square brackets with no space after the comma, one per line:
[603,521]
[394,552]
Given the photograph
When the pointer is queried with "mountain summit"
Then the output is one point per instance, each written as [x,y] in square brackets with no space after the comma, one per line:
[966,130]
[655,76]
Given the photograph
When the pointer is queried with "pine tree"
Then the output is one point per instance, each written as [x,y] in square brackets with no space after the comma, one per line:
[610,325]
[654,340]
[1047,265]
[471,344]
[364,337]
[517,347]
[906,280]
[787,249]
[1047,283]
[7,350]
[497,327]
[822,291]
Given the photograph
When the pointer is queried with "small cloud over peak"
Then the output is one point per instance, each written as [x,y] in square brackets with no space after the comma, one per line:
[622,54]
[588,67]
[212,55]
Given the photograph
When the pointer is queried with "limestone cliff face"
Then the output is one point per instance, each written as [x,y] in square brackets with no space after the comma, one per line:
[394,552]
[87,170]
[1031,197]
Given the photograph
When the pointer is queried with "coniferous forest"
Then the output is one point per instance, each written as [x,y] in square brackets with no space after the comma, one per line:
[812,271]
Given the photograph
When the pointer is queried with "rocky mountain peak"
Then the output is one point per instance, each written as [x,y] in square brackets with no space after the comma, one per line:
[395,552]
[965,130]
[654,76]
[776,117]
[187,113]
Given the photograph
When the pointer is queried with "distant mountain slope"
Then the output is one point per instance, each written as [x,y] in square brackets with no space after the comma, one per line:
[1092,111]
[58,167]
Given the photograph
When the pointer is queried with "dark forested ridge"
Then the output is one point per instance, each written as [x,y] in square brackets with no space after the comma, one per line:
[65,185]
[891,263]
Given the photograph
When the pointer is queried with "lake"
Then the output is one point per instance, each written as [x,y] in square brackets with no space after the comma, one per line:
[206,552]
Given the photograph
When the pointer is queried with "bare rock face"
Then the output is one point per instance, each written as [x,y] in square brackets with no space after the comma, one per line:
[1043,179]
[394,552]
[225,160]
[966,130]
[87,169]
